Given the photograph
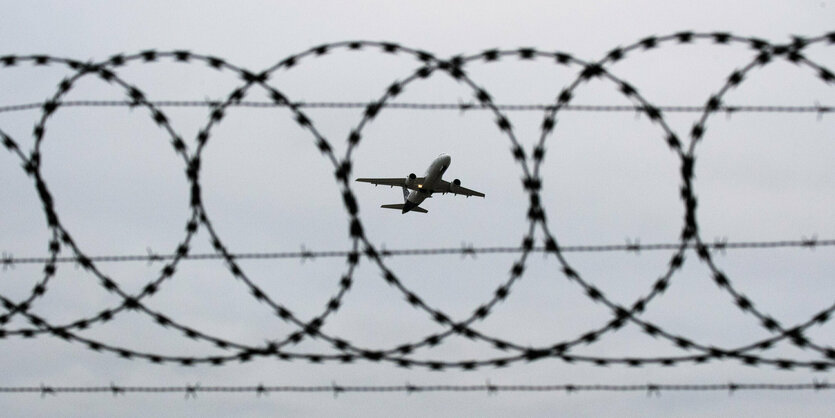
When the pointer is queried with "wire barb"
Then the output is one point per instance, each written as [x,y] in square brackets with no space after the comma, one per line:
[152,256]
[8,261]
[46,390]
[191,391]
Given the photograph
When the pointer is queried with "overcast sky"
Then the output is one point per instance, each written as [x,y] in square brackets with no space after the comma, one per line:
[608,178]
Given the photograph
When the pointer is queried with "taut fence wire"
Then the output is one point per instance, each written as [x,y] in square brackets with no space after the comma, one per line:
[191,390]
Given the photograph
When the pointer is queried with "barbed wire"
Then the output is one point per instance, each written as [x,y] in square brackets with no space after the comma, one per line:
[9,261]
[529,162]
[191,390]
[817,108]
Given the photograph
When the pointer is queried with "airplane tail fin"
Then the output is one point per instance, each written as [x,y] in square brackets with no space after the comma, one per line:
[401,205]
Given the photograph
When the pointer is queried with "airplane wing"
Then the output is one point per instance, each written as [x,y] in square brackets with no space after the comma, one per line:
[442,186]
[394,182]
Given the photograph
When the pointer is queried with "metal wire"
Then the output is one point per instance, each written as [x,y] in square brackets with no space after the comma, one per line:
[529,162]
[9,261]
[488,388]
[819,109]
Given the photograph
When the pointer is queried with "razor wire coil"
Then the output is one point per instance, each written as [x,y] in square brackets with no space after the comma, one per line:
[529,162]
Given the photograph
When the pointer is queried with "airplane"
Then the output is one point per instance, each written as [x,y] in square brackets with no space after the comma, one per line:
[423,187]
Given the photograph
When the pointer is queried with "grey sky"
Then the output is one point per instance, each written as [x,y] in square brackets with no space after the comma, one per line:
[119,188]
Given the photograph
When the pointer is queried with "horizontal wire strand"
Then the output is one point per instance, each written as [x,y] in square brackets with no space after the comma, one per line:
[409,388]
[9,260]
[428,106]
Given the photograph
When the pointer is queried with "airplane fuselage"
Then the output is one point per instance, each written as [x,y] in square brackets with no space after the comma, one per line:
[423,190]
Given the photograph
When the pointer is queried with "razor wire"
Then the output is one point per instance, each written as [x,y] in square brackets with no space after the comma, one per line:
[402,355]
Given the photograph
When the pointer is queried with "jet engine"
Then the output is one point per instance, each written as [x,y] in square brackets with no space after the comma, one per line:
[455,186]
[410,180]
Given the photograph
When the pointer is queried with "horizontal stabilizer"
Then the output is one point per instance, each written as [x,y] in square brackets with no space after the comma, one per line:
[400,206]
